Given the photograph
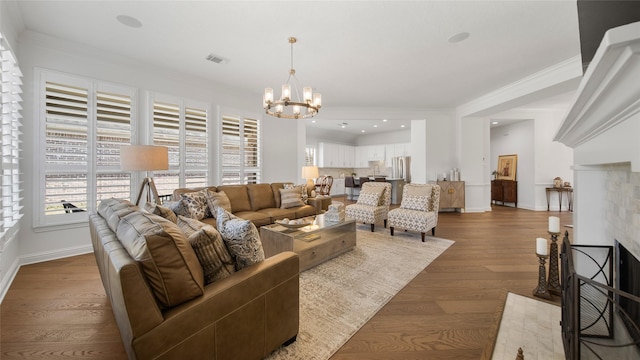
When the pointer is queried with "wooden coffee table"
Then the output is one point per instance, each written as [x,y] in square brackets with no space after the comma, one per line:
[314,244]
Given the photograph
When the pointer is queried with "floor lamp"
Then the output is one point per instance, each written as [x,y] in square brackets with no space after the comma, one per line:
[145,158]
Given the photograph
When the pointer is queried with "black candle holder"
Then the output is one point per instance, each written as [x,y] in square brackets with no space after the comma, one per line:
[541,290]
[553,283]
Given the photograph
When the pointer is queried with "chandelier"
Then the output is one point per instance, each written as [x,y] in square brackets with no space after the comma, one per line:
[289,108]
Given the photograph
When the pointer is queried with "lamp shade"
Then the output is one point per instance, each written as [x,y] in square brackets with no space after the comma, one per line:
[144,157]
[310,172]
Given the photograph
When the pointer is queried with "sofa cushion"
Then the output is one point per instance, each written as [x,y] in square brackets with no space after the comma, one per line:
[241,237]
[216,199]
[162,211]
[261,196]
[209,247]
[258,218]
[114,209]
[278,214]
[168,260]
[239,197]
[290,198]
[196,203]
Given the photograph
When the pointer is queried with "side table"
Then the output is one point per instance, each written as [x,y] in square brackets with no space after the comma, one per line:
[560,190]
[320,203]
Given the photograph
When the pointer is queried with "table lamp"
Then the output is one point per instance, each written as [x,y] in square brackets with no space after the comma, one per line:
[310,173]
[145,158]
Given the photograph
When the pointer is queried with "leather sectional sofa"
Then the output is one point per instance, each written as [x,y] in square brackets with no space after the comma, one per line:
[164,310]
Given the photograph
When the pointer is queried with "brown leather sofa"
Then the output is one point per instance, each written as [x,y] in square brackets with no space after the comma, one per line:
[259,203]
[246,315]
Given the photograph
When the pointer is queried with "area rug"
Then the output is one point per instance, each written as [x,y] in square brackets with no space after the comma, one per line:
[339,296]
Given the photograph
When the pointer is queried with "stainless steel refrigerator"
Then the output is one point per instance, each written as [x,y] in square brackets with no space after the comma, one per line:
[401,168]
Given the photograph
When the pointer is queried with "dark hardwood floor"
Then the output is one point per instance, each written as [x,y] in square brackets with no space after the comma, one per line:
[59,308]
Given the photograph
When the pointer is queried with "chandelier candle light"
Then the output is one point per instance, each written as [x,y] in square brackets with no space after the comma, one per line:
[286,107]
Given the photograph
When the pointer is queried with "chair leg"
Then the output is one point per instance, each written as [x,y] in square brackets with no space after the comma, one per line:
[385,223]
[422,234]
[433,231]
[391,228]
[372,226]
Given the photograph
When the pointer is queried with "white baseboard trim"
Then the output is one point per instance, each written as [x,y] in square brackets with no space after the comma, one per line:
[55,254]
[7,280]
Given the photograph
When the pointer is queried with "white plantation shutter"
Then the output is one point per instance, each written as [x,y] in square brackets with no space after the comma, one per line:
[183,129]
[113,130]
[166,132]
[10,181]
[196,154]
[240,154]
[66,146]
[85,123]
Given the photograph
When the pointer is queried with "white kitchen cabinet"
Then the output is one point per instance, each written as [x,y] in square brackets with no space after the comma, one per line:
[402,149]
[376,153]
[335,155]
[337,188]
[362,158]
[389,153]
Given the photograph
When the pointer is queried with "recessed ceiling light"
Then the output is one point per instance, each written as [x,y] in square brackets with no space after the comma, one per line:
[494,123]
[402,125]
[313,121]
[362,130]
[129,21]
[375,125]
[458,37]
[384,120]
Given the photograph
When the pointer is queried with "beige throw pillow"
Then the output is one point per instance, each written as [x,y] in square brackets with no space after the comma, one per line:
[370,195]
[218,199]
[290,198]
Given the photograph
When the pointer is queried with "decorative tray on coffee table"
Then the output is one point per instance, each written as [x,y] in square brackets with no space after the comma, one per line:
[294,226]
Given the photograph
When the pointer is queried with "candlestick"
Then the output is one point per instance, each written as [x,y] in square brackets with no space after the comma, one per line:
[553,284]
[554,224]
[541,290]
[541,246]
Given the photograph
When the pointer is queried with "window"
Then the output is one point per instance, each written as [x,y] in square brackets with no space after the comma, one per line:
[309,156]
[10,183]
[182,127]
[84,123]
[240,154]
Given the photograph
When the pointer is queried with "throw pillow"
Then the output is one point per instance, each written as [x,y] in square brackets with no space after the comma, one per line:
[290,198]
[217,199]
[304,193]
[370,195]
[178,207]
[162,211]
[415,202]
[168,261]
[207,242]
[197,204]
[241,237]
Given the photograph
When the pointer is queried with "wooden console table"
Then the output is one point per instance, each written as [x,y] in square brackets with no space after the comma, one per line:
[560,190]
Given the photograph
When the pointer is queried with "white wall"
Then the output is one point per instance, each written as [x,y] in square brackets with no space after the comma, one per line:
[474,150]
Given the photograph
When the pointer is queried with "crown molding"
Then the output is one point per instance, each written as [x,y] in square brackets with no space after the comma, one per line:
[609,92]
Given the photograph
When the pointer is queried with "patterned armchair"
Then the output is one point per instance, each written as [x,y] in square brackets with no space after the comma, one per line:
[418,210]
[373,204]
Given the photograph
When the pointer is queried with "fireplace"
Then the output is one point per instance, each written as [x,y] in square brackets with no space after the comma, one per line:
[628,273]
[599,321]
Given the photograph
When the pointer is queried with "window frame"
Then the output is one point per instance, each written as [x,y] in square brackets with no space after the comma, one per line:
[42,221]
[243,169]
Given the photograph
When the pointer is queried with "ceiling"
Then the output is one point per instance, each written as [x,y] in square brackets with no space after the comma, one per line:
[378,55]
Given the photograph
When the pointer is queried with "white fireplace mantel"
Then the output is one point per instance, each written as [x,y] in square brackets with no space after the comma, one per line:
[609,92]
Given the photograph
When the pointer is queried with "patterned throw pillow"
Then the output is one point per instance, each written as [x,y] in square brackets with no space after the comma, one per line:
[290,198]
[218,199]
[370,195]
[197,204]
[178,207]
[415,202]
[304,194]
[165,212]
[241,237]
[209,247]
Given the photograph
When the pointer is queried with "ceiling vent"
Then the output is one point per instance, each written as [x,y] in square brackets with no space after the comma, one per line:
[217,59]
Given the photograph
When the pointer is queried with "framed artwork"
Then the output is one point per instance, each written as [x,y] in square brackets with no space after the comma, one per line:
[507,166]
